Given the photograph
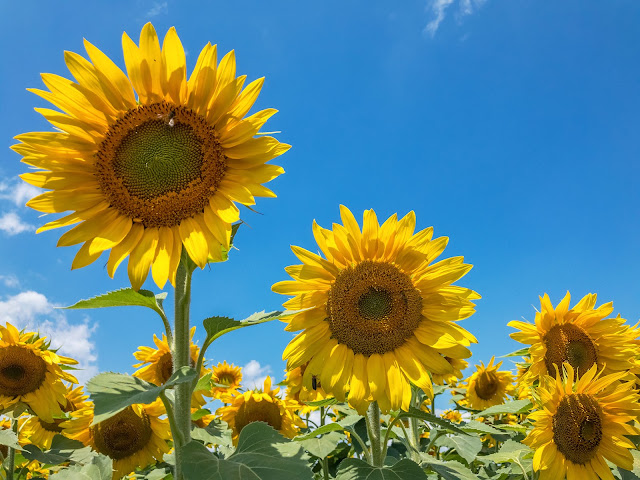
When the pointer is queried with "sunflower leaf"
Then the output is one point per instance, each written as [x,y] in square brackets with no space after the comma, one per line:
[62,450]
[518,353]
[354,469]
[479,427]
[515,406]
[9,438]
[262,454]
[467,446]
[451,470]
[100,468]
[323,445]
[125,297]
[511,451]
[218,326]
[428,417]
[113,392]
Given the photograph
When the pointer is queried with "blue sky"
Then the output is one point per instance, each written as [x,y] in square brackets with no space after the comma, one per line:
[510,126]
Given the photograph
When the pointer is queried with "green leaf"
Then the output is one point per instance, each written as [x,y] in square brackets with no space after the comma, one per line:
[515,406]
[262,454]
[349,420]
[323,445]
[448,470]
[511,451]
[198,414]
[125,297]
[479,427]
[356,469]
[467,446]
[329,427]
[523,352]
[62,450]
[100,468]
[9,438]
[217,433]
[218,326]
[327,402]
[113,392]
[635,473]
[428,417]
[204,383]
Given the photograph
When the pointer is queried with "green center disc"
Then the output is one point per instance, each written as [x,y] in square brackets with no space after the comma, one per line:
[375,304]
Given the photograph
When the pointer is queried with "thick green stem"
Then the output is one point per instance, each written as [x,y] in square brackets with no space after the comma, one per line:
[181,358]
[373,429]
[12,451]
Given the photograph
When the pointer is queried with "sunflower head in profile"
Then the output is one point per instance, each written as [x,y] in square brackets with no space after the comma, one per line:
[40,433]
[225,374]
[488,386]
[134,438]
[582,336]
[31,373]
[452,378]
[260,406]
[583,423]
[150,162]
[378,313]
[304,386]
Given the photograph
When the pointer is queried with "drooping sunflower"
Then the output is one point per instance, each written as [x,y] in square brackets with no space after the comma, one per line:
[134,438]
[153,162]
[582,336]
[260,406]
[581,423]
[31,373]
[40,433]
[378,314]
[488,386]
[303,386]
[452,378]
[225,374]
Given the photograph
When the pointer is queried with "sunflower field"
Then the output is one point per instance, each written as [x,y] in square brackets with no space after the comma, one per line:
[149,166]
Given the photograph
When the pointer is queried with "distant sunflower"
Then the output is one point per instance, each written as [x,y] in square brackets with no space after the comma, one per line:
[41,433]
[583,423]
[487,386]
[31,373]
[452,378]
[582,336]
[303,387]
[378,314]
[153,162]
[134,438]
[225,374]
[260,406]
[452,415]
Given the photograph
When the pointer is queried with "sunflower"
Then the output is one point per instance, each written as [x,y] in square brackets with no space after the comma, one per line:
[133,438]
[151,162]
[378,314]
[41,433]
[581,423]
[225,374]
[451,379]
[487,386]
[31,373]
[582,336]
[260,406]
[452,415]
[156,364]
[303,386]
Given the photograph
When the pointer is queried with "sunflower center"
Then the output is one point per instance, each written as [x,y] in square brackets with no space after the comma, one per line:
[123,434]
[577,427]
[252,411]
[487,385]
[226,379]
[373,307]
[21,371]
[160,163]
[165,367]
[569,343]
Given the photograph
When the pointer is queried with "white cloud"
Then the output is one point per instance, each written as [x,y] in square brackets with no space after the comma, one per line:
[158,8]
[10,281]
[439,8]
[26,309]
[254,374]
[18,193]
[12,224]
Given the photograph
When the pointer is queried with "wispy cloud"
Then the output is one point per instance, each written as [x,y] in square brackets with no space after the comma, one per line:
[33,311]
[158,9]
[254,374]
[438,9]
[10,281]
[12,224]
[18,193]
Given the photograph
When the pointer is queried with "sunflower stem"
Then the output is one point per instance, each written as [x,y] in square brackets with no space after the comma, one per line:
[12,451]
[414,426]
[181,358]
[373,429]
[325,460]
[171,416]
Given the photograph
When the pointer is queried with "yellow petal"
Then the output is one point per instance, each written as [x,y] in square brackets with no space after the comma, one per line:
[120,251]
[113,75]
[141,257]
[376,375]
[160,267]
[175,68]
[194,241]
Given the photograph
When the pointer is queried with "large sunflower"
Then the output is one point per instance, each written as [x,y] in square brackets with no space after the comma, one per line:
[41,433]
[582,423]
[582,336]
[134,438]
[151,162]
[260,406]
[31,373]
[378,314]
[488,386]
